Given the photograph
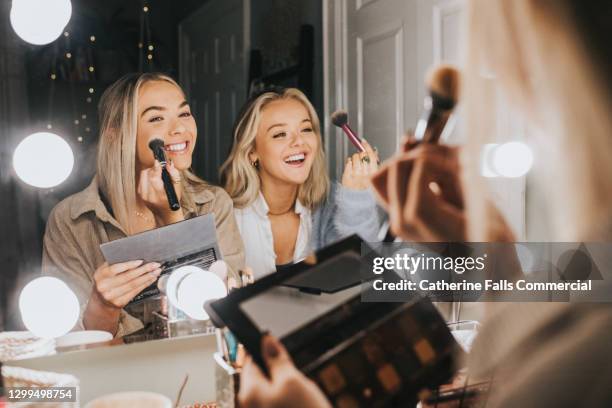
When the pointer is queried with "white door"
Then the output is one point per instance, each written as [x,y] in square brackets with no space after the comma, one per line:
[370,70]
[377,53]
[376,56]
[213,69]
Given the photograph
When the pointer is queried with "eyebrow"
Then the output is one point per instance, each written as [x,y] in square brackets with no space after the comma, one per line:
[161,108]
[284,124]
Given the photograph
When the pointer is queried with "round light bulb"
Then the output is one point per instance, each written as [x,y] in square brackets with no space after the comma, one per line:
[43,160]
[196,289]
[40,22]
[513,159]
[173,282]
[48,307]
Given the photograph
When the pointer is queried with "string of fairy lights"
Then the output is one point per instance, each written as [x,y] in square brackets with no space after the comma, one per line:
[146,50]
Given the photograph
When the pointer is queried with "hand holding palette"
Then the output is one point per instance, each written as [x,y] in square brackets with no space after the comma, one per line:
[359,353]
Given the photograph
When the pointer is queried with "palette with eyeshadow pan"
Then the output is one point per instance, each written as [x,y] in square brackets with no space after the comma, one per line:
[361,354]
[389,360]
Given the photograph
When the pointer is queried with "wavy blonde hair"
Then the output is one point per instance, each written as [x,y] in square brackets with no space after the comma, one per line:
[240,177]
[116,163]
[548,57]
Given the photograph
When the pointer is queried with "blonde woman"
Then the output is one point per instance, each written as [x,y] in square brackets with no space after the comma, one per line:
[552,58]
[127,197]
[276,174]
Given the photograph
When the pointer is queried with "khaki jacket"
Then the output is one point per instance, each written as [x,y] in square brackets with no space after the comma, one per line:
[79,224]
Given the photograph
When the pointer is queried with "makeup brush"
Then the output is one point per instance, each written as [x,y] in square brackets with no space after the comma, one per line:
[443,84]
[340,118]
[157,146]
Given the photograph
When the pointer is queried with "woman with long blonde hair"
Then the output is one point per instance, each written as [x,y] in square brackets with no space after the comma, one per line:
[552,58]
[127,196]
[276,174]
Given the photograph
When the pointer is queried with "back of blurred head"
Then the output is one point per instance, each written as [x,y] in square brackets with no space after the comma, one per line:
[552,60]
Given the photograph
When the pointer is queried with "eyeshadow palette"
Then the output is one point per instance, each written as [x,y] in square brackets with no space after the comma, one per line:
[387,361]
[361,354]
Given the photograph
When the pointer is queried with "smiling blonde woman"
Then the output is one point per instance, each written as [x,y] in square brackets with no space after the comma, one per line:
[276,174]
[127,197]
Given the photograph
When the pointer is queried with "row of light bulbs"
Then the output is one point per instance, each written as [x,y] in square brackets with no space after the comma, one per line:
[188,288]
[49,151]
[41,22]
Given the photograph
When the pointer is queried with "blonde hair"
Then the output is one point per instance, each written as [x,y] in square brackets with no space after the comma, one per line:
[239,175]
[543,62]
[116,163]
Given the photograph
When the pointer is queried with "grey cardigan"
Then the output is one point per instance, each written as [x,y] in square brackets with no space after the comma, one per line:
[345,212]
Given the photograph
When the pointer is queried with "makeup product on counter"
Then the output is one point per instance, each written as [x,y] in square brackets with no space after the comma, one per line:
[359,353]
[157,146]
[340,119]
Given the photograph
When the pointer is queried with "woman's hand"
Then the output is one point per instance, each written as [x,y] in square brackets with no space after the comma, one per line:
[359,168]
[287,386]
[151,191]
[421,190]
[114,287]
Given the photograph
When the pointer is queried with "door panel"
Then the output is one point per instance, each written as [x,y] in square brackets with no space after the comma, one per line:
[213,44]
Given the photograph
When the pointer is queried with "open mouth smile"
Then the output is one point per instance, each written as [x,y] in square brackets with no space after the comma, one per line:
[177,148]
[295,160]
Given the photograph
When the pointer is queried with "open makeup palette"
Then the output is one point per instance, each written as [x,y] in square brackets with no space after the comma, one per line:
[360,353]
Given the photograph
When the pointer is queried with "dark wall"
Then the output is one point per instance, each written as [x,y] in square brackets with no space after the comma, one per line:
[275,30]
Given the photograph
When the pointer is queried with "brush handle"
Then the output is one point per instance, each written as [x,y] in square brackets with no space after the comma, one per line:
[160,156]
[353,138]
[173,201]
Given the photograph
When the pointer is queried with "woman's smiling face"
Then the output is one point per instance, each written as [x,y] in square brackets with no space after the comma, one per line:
[163,113]
[286,143]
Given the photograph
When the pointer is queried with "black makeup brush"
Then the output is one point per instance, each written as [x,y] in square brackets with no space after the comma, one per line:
[157,146]
[340,118]
[443,84]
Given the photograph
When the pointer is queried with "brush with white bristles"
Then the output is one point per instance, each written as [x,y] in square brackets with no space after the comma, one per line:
[340,119]
[443,84]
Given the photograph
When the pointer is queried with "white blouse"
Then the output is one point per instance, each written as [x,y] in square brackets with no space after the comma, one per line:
[256,231]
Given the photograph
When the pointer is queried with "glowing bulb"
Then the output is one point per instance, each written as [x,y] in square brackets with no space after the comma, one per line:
[40,22]
[48,307]
[173,282]
[92,38]
[43,160]
[189,288]
[196,289]
[512,159]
